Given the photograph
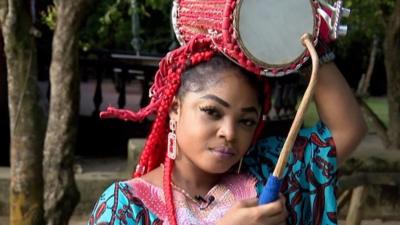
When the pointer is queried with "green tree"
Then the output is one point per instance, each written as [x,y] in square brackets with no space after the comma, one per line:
[366,25]
[380,20]
[392,65]
[110,26]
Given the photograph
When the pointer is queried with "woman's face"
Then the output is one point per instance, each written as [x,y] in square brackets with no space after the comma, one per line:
[215,126]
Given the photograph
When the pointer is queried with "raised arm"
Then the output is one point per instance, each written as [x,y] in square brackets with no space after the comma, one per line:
[339,110]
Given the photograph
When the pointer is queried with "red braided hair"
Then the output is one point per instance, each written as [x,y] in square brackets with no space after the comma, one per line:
[166,84]
[265,108]
[165,87]
[167,188]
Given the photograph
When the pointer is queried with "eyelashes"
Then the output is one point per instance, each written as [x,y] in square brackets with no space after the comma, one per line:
[248,122]
[214,113]
[211,111]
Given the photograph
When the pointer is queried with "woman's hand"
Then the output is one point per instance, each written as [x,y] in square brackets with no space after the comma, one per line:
[250,213]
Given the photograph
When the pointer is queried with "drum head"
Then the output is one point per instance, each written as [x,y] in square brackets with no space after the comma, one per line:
[269,31]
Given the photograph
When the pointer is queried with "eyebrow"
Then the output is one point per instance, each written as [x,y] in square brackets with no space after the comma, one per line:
[225,104]
[250,110]
[217,99]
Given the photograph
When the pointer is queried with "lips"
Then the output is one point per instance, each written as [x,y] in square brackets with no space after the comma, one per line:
[224,151]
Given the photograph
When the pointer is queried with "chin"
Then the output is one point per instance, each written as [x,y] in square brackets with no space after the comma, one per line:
[218,169]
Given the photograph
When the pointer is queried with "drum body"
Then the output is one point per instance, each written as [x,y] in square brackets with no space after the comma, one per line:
[262,36]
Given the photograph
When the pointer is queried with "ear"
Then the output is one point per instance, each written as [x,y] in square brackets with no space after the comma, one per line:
[174,110]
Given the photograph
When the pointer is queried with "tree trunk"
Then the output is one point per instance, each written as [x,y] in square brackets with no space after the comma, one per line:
[392,65]
[365,81]
[4,115]
[26,116]
[61,193]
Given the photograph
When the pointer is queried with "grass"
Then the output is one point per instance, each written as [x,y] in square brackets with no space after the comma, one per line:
[378,104]
[380,107]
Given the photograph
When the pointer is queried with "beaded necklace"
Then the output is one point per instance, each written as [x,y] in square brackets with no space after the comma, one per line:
[198,199]
[185,193]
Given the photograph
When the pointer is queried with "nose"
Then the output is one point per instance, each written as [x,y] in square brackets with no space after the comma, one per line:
[227,130]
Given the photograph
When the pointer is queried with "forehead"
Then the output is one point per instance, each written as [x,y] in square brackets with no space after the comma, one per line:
[230,86]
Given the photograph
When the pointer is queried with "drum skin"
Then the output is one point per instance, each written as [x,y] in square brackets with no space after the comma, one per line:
[273,39]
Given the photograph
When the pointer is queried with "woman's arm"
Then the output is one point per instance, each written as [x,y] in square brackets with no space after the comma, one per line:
[339,110]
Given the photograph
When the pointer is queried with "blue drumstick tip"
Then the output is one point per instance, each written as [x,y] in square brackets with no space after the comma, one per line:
[270,192]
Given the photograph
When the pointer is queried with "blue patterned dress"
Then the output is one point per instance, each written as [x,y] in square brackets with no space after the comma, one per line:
[309,185]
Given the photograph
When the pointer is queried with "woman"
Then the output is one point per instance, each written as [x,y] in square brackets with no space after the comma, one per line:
[209,111]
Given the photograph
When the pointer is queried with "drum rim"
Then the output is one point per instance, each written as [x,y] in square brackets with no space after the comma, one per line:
[174,21]
[265,66]
[224,40]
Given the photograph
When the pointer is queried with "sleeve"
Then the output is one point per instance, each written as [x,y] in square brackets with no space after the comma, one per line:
[118,205]
[310,175]
[113,207]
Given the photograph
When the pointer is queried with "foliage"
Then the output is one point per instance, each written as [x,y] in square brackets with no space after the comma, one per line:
[367,20]
[366,23]
[110,26]
[369,17]
[49,17]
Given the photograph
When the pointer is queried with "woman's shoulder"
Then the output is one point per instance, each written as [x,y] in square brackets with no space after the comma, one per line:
[122,202]
[319,135]
[314,147]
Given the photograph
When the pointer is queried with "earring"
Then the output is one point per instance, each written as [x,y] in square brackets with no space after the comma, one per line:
[172,140]
[240,166]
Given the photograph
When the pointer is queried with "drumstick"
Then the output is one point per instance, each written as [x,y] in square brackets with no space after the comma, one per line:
[270,191]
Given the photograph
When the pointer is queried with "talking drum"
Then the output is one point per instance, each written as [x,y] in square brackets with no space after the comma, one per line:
[261,35]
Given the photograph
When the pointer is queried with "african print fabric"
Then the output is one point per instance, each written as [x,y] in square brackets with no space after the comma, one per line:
[310,175]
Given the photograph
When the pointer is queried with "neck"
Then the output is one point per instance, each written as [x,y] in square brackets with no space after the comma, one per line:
[192,179]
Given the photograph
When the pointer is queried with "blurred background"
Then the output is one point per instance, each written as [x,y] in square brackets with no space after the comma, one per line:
[105,53]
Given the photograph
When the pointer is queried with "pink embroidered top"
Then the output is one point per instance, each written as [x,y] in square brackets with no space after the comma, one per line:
[230,190]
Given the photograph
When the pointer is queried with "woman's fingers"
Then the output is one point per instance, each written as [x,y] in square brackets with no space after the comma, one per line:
[247,203]
[274,213]
[274,207]
[279,218]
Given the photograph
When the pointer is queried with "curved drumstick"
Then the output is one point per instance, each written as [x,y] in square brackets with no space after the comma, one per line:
[270,191]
